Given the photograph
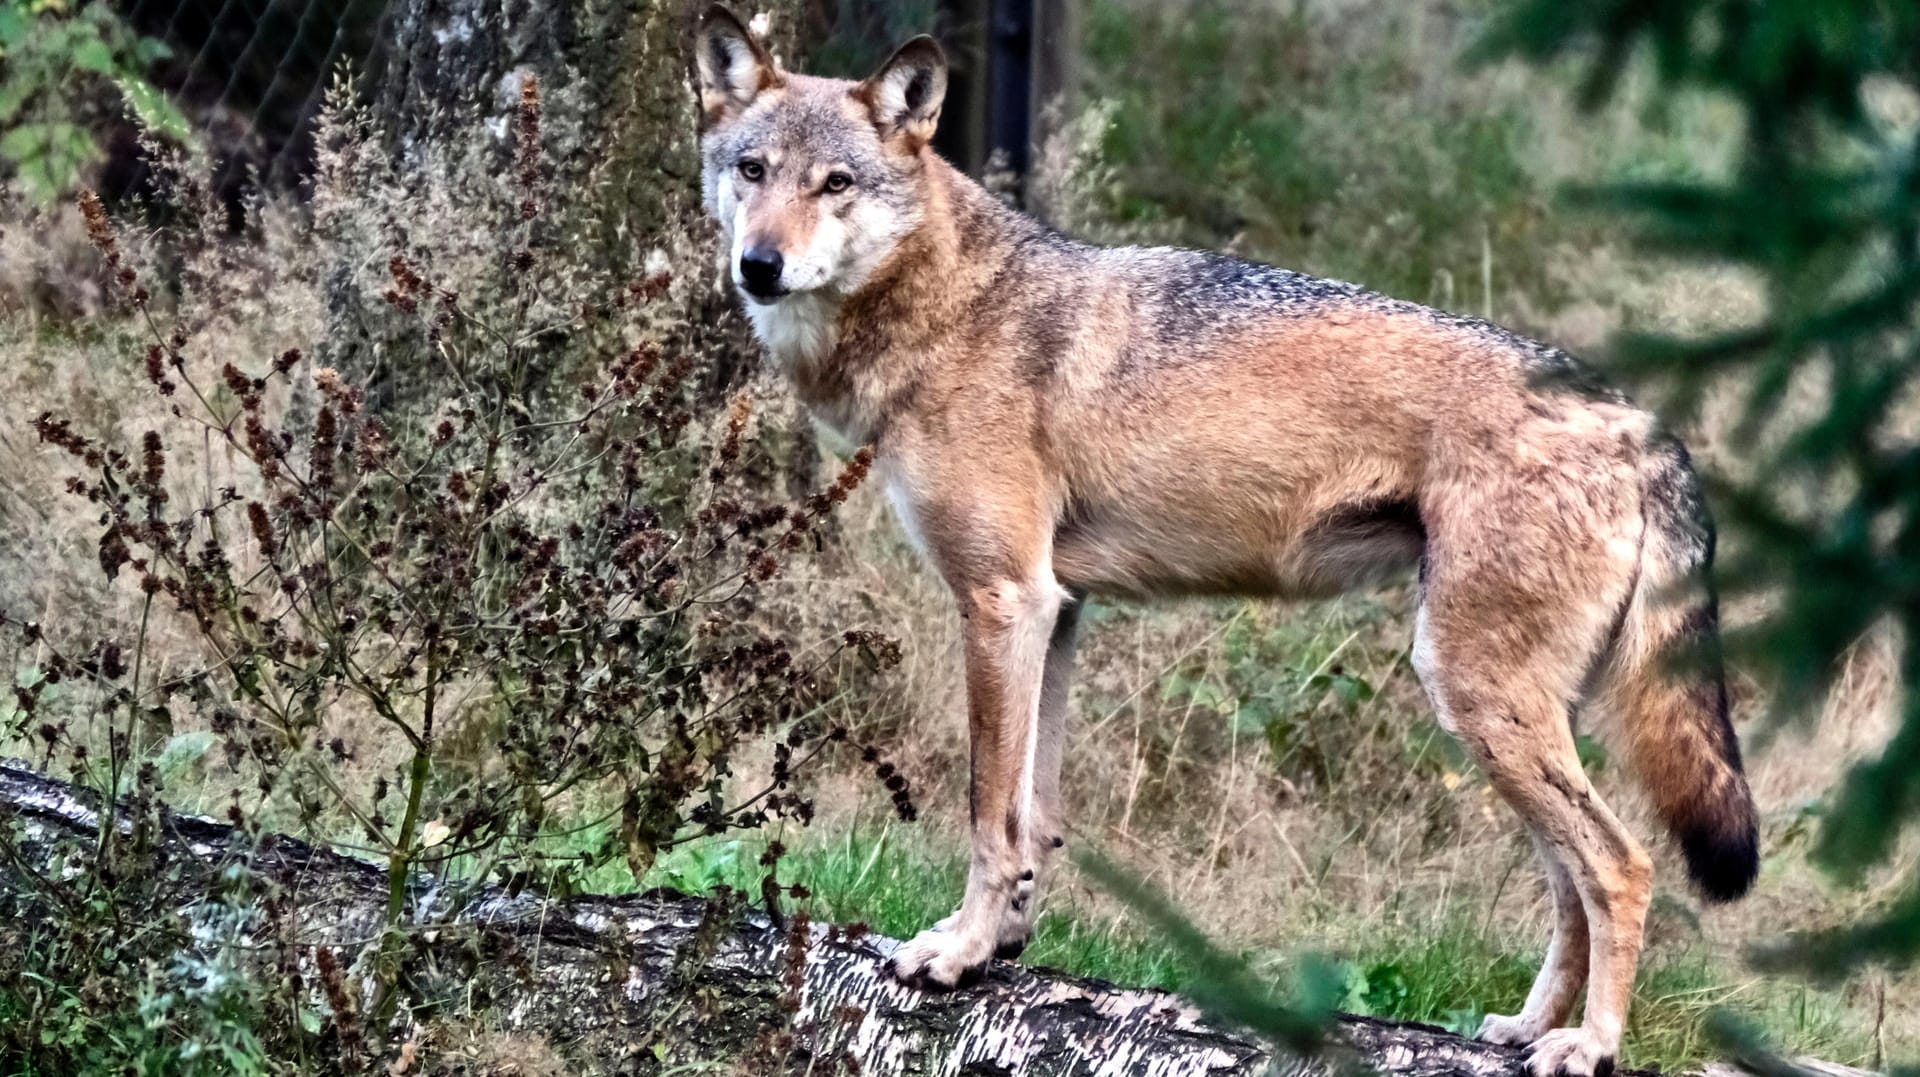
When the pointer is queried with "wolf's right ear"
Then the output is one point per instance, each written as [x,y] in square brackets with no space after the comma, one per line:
[904,95]
[731,68]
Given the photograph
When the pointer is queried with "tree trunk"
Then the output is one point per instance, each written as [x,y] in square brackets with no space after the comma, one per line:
[618,176]
[617,109]
[639,983]
[616,135]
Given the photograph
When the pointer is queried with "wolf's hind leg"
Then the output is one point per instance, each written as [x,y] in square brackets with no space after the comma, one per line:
[1527,752]
[1506,635]
[1522,741]
[1562,974]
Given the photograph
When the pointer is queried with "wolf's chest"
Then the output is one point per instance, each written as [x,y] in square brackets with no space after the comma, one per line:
[798,329]
[799,334]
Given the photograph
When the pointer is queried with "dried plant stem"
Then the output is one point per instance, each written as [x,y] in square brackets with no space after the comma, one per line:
[401,861]
[121,750]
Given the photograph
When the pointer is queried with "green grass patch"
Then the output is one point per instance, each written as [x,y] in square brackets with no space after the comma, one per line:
[1453,975]
[1359,152]
[1451,972]
[888,880]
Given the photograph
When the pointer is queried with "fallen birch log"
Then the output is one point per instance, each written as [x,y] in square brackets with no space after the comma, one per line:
[639,983]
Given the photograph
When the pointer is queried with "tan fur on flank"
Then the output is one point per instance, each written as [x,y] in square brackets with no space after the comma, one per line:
[1055,420]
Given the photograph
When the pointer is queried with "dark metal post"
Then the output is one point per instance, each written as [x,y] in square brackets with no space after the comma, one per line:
[1010,86]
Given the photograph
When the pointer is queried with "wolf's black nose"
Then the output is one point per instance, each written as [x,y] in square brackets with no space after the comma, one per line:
[760,271]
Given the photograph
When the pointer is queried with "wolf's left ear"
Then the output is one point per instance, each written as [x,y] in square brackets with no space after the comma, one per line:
[904,95]
[731,68]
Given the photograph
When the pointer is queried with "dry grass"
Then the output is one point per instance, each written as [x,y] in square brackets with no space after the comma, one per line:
[1271,862]
[1268,850]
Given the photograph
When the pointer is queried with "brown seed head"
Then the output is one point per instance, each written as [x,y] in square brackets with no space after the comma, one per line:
[99,230]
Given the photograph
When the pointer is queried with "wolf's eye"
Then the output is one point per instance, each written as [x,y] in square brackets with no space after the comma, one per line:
[837,182]
[752,171]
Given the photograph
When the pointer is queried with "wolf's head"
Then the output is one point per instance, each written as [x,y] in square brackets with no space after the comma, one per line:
[814,181]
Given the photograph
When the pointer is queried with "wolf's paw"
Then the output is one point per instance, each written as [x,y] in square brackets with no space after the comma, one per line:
[1516,1031]
[940,960]
[1570,1052]
[1015,933]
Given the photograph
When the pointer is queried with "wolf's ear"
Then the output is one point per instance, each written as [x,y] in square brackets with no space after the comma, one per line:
[904,95]
[730,67]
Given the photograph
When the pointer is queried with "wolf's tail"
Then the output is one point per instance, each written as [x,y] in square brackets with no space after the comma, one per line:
[1667,682]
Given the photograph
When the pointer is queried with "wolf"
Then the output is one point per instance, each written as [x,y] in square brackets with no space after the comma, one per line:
[1055,420]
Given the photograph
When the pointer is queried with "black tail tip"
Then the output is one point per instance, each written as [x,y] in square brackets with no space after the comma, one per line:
[1722,862]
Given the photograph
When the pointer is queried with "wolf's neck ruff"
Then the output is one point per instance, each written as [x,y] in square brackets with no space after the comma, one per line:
[798,330]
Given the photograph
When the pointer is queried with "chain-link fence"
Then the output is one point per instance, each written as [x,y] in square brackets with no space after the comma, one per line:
[242,79]
[245,79]
[252,73]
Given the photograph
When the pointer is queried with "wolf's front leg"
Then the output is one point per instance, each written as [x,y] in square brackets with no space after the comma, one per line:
[1009,632]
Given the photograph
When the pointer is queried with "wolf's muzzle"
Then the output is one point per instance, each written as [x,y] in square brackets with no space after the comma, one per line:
[760,272]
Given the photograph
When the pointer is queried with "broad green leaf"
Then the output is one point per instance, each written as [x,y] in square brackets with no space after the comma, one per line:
[183,751]
[92,54]
[147,50]
[1386,987]
[154,111]
[24,143]
[1593,754]
[12,96]
[1350,689]
[47,157]
[13,27]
